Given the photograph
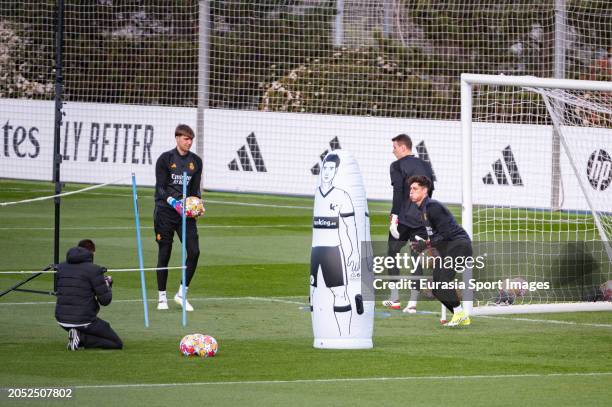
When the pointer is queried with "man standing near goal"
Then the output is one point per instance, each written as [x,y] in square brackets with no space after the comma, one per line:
[405,220]
[168,211]
[447,237]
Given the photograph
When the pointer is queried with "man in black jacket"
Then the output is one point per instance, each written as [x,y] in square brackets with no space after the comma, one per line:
[167,216]
[81,289]
[450,241]
[405,221]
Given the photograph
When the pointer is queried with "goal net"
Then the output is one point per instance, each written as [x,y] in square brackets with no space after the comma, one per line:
[537,196]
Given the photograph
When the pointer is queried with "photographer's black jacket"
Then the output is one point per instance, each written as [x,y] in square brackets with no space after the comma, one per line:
[80,288]
[169,176]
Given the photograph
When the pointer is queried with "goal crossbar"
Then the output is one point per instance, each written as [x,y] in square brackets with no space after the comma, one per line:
[532,81]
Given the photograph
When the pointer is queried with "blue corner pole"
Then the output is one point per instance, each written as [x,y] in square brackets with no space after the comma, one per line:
[143,284]
[183,245]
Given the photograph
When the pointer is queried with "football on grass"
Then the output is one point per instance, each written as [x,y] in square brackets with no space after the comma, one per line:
[206,346]
[194,207]
[199,344]
[188,345]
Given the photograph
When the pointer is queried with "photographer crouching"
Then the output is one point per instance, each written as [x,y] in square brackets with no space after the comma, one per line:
[81,288]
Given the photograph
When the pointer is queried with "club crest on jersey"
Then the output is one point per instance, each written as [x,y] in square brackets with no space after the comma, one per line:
[191,166]
[173,166]
[333,206]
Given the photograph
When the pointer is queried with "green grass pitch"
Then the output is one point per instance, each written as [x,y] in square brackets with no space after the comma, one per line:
[251,292]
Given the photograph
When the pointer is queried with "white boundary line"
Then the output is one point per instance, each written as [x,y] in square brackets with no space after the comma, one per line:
[548,321]
[285,300]
[151,227]
[213,201]
[20,272]
[43,198]
[257,204]
[264,299]
[269,299]
[275,205]
[345,380]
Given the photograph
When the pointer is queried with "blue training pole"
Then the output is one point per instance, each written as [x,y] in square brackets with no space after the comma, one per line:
[143,284]
[183,245]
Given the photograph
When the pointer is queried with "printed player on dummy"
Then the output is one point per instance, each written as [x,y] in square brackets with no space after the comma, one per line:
[340,317]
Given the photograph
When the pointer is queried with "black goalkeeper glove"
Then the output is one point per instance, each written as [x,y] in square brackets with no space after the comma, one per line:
[419,246]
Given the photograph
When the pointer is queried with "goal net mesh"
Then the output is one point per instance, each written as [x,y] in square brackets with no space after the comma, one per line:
[545,154]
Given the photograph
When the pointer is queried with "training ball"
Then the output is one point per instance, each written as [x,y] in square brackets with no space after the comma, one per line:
[194,207]
[206,346]
[188,345]
[606,290]
[512,289]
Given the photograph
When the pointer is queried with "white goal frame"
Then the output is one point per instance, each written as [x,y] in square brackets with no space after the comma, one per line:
[467,83]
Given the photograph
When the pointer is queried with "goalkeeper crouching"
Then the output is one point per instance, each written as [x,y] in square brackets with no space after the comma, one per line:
[168,211]
[447,238]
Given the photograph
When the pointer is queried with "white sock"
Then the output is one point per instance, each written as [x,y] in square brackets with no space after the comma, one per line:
[412,304]
[394,294]
[180,291]
[457,309]
[162,296]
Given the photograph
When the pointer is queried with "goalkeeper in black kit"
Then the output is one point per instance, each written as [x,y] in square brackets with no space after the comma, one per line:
[168,211]
[447,238]
[405,222]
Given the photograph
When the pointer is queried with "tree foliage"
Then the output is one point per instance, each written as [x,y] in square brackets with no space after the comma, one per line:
[277,55]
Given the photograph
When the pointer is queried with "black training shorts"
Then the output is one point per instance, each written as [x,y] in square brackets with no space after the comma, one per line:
[331,261]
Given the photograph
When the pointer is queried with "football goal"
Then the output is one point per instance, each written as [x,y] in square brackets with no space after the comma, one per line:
[537,198]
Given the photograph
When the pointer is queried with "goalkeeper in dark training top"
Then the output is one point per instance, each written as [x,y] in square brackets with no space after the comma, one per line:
[449,241]
[167,215]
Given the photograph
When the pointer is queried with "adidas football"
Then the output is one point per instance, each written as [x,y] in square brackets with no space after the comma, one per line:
[188,345]
[194,207]
[206,346]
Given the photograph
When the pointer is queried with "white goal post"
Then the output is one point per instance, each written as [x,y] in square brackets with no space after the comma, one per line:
[537,191]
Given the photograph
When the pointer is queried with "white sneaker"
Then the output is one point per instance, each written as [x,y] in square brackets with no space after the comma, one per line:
[73,339]
[179,300]
[162,305]
[409,310]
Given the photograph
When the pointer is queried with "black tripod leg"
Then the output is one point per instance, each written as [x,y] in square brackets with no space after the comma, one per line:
[32,277]
[19,284]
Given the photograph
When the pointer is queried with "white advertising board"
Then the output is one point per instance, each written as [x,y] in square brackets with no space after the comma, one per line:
[99,142]
[279,153]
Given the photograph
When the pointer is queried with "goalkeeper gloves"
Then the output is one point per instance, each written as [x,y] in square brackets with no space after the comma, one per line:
[420,245]
[176,204]
[394,223]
